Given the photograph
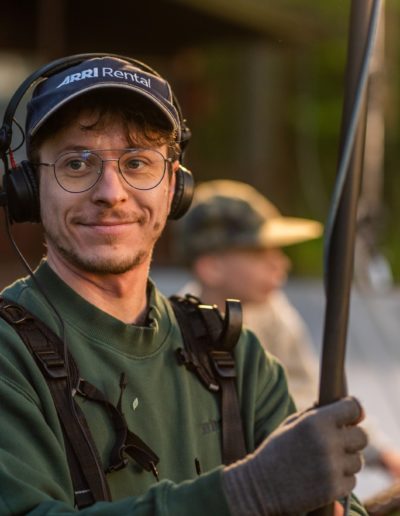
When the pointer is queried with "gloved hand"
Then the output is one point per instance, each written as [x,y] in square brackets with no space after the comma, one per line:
[307,462]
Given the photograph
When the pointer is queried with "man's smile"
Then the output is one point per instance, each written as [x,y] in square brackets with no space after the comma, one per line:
[109,227]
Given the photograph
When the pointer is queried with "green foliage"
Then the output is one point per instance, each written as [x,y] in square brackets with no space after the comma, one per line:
[271,115]
[306,258]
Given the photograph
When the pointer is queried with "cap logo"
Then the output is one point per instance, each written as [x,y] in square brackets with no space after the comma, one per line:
[90,73]
[85,74]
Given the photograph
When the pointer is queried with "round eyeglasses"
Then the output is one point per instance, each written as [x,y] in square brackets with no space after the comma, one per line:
[78,171]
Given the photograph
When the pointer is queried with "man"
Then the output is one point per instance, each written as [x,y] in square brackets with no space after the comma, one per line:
[103,136]
[232,240]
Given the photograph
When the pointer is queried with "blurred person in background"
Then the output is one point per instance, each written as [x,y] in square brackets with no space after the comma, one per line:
[232,240]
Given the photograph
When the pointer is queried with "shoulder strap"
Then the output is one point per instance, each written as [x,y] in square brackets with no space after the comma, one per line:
[209,343]
[87,473]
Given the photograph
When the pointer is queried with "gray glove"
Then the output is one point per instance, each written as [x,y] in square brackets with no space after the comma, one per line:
[308,462]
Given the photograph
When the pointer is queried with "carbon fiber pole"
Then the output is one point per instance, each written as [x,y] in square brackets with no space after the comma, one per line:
[341,250]
[340,260]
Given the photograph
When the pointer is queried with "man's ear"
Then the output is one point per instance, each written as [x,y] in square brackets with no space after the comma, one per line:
[172,181]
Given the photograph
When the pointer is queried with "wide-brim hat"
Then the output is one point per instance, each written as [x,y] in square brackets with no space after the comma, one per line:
[230,215]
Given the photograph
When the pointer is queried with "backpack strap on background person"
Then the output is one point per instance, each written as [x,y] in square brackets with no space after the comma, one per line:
[209,342]
[87,472]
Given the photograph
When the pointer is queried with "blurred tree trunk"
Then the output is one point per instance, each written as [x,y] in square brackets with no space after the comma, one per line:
[266,160]
[50,29]
[371,268]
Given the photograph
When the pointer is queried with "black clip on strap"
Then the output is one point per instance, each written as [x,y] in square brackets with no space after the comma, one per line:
[126,441]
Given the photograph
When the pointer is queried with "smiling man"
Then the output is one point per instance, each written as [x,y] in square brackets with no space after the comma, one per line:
[99,236]
[108,422]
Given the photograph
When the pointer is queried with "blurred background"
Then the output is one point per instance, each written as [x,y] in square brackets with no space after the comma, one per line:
[261,85]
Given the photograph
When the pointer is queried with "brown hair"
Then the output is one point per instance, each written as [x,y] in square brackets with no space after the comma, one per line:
[135,112]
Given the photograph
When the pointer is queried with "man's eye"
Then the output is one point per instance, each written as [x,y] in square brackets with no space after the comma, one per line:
[134,164]
[76,164]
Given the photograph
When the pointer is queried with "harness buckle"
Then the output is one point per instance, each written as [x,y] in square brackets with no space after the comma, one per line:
[15,314]
[52,362]
[223,363]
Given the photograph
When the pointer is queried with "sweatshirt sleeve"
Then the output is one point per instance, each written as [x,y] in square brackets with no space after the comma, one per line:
[356,509]
[263,390]
[266,401]
[197,497]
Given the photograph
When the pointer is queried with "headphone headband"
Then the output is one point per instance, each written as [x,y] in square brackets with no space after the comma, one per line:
[59,65]
[20,195]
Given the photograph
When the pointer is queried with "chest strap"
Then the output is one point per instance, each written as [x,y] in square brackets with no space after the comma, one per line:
[86,469]
[209,344]
[87,473]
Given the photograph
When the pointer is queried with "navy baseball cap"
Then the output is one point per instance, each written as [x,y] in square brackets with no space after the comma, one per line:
[57,90]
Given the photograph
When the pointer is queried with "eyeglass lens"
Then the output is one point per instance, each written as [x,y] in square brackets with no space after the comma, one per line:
[142,169]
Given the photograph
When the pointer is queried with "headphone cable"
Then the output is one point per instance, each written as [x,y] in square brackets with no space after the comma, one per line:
[63,339]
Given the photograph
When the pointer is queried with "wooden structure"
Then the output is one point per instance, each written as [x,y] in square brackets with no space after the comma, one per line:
[51,28]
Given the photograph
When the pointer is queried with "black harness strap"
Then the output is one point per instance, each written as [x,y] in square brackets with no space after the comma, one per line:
[87,474]
[126,442]
[209,343]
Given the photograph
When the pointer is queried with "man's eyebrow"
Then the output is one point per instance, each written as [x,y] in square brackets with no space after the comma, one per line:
[71,148]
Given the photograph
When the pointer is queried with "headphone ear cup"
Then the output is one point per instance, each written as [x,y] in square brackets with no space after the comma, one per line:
[22,190]
[183,195]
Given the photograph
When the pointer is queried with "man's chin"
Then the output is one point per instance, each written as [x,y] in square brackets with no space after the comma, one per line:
[107,268]
[105,265]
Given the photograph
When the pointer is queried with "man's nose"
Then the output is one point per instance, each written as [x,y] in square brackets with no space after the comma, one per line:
[111,187]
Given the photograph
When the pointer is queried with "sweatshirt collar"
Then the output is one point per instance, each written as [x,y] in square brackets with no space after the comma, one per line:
[103,328]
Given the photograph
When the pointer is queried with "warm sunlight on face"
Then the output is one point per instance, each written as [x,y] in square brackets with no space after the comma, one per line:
[112,227]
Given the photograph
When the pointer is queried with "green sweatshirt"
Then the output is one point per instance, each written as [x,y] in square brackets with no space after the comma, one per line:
[163,403]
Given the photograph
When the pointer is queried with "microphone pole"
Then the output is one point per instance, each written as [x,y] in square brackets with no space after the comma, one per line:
[341,228]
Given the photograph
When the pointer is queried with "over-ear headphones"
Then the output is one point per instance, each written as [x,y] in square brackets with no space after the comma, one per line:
[20,186]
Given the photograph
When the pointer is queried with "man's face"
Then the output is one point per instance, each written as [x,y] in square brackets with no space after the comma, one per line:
[252,274]
[111,228]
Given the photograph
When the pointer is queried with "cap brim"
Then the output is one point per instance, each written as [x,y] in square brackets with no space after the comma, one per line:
[284,231]
[133,89]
